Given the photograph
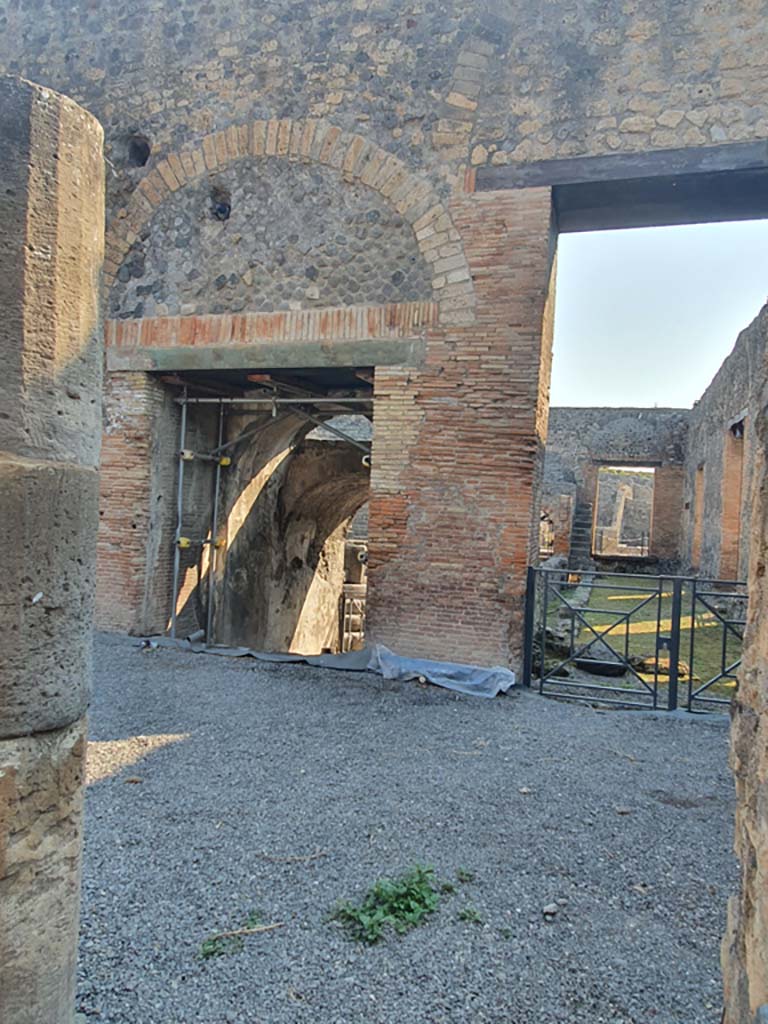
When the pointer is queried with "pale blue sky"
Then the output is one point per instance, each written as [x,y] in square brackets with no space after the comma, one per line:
[647,316]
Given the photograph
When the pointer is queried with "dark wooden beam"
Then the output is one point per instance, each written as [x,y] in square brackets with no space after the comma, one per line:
[656,202]
[737,156]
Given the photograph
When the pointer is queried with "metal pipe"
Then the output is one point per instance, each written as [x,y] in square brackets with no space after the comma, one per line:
[179,513]
[335,430]
[276,401]
[214,530]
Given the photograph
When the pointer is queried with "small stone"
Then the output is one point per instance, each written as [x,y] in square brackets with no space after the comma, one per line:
[524,790]
[550,910]
[479,155]
[623,810]
[671,118]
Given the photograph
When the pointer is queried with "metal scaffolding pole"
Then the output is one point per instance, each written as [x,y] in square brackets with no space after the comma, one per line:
[179,514]
[214,530]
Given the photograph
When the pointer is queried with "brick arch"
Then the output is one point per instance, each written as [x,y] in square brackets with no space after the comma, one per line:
[311,141]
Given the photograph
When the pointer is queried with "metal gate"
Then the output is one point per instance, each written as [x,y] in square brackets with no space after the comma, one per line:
[637,641]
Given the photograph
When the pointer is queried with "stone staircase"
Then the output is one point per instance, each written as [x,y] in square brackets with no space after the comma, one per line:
[581,537]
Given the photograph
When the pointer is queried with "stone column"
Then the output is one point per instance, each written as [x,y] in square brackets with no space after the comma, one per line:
[51,232]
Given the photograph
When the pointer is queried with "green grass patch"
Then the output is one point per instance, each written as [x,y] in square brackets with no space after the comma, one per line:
[398,904]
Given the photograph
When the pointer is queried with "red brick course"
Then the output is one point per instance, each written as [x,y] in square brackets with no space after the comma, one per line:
[457,450]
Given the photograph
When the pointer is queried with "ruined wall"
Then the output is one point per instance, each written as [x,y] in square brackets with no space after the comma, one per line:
[430,82]
[245,241]
[725,499]
[347,110]
[580,440]
[745,944]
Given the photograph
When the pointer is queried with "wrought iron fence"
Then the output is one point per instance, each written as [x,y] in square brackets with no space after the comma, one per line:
[611,638]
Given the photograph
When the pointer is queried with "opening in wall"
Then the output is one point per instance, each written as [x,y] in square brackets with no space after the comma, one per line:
[698,517]
[731,508]
[623,512]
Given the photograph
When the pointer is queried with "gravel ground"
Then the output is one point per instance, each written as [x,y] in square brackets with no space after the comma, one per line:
[208,774]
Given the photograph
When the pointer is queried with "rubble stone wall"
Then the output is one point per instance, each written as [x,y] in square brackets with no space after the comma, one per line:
[580,440]
[726,506]
[745,945]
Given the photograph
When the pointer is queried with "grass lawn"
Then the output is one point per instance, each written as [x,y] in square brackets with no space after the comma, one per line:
[652,611]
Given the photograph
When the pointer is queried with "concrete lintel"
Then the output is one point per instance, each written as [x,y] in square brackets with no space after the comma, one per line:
[279,355]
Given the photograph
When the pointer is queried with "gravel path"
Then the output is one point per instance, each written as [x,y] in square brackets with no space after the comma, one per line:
[206,771]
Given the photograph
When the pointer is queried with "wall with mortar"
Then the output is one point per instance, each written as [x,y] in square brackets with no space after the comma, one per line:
[353,104]
[431,82]
[581,439]
[734,394]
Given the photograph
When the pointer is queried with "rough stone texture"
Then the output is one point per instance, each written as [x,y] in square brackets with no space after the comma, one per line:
[51,222]
[51,217]
[725,498]
[51,225]
[48,589]
[41,780]
[580,440]
[434,83]
[745,945]
[296,237]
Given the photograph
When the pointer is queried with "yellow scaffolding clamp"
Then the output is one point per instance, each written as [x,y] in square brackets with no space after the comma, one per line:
[184,543]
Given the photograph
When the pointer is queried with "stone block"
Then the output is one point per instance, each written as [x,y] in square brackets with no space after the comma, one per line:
[52,224]
[41,780]
[49,513]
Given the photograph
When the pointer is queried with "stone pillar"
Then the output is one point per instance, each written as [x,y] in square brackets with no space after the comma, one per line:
[51,226]
[139,462]
[458,450]
[745,946]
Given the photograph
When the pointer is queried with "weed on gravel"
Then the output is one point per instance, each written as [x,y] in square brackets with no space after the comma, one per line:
[400,904]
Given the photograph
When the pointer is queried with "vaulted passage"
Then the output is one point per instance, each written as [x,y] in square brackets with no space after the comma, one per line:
[253,508]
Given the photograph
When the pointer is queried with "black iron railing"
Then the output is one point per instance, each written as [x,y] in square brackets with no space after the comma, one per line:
[618,639]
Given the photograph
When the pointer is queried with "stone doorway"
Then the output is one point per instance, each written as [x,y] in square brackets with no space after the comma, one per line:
[265,496]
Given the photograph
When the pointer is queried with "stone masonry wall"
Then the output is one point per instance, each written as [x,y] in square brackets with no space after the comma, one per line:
[431,82]
[298,237]
[580,440]
[400,101]
[732,396]
[745,945]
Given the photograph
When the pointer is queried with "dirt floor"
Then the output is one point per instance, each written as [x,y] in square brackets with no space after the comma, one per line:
[224,793]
